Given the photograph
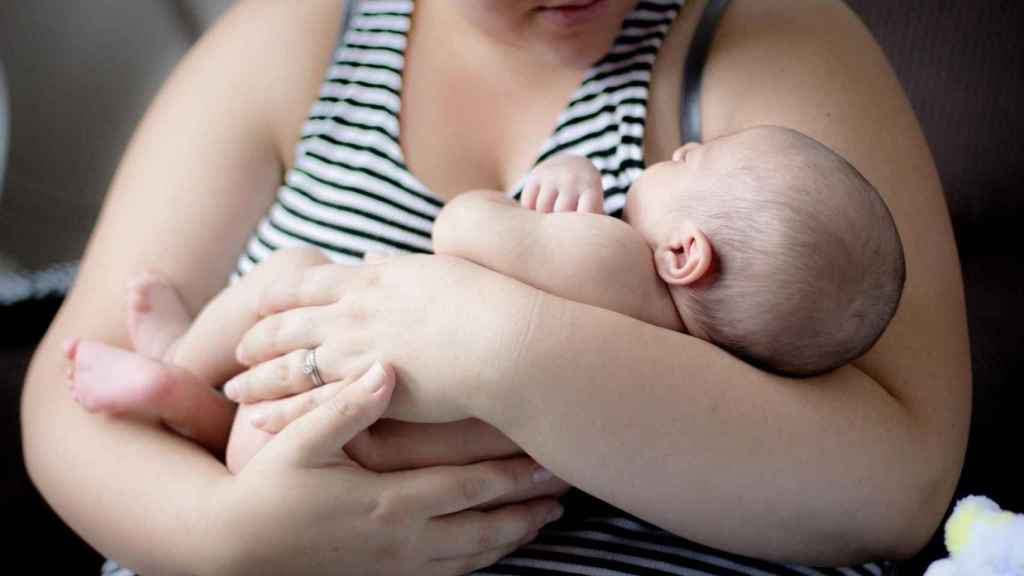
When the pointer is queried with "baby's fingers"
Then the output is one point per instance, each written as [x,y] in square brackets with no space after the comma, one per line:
[546,198]
[567,201]
[531,190]
[591,203]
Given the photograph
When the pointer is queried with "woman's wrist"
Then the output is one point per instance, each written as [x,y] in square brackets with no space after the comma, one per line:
[510,354]
[217,548]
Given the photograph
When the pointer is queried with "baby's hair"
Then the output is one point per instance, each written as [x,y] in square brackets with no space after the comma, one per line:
[809,266]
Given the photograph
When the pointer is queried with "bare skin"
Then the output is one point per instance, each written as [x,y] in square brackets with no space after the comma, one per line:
[911,391]
[807,65]
[177,361]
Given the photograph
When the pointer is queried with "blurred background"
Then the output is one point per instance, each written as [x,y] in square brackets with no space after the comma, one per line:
[76,77]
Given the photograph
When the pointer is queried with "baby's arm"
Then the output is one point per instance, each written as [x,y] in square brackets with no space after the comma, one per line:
[589,258]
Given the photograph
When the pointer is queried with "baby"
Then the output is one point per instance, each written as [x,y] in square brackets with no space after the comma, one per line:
[764,242]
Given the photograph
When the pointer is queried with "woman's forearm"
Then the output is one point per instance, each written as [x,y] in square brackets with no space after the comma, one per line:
[827,470]
[135,492]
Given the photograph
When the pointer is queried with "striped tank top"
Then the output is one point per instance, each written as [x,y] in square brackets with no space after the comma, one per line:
[350,192]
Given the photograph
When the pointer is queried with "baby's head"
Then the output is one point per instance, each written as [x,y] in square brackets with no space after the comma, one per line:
[773,247]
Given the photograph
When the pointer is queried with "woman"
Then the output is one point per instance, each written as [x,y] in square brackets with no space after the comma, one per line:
[856,466]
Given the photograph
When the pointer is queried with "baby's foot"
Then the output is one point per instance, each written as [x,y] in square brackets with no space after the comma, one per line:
[156,316]
[108,379]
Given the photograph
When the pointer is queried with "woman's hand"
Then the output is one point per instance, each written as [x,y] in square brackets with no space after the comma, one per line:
[421,314]
[324,512]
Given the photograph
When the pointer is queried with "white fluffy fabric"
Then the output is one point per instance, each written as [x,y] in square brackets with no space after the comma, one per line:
[994,547]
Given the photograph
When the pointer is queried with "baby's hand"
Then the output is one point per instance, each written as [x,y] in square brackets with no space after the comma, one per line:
[565,183]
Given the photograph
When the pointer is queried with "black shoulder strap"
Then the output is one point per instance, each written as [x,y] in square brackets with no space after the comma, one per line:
[346,20]
[693,72]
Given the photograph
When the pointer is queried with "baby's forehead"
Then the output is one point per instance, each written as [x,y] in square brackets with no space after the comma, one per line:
[766,138]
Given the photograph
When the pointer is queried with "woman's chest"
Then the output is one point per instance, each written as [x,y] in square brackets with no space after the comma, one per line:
[459,132]
[458,135]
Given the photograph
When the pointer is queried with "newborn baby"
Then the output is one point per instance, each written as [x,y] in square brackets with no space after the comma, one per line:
[764,242]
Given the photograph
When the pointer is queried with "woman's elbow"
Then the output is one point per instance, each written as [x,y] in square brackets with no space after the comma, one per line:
[914,511]
[449,226]
[34,422]
[457,229]
[926,511]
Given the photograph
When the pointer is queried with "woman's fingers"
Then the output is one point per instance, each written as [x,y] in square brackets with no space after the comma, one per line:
[315,286]
[447,489]
[317,438]
[471,532]
[280,377]
[394,445]
[467,564]
[280,334]
[274,415]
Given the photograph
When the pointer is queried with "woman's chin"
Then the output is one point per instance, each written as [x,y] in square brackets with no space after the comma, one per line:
[578,32]
[572,15]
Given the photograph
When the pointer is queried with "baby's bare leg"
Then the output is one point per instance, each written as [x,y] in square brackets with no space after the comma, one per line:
[119,382]
[172,374]
[589,258]
[207,349]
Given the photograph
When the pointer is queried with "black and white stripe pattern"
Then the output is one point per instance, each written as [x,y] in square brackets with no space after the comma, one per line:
[350,191]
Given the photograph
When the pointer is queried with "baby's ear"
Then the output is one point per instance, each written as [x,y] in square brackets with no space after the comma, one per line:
[686,257]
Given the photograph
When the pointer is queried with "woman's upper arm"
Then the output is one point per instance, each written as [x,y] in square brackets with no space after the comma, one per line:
[197,175]
[205,162]
[813,66]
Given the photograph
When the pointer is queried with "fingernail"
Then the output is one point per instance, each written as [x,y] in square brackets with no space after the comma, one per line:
[542,475]
[555,513]
[231,391]
[258,419]
[240,355]
[374,378]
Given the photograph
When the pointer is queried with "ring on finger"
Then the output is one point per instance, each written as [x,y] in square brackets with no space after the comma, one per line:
[311,369]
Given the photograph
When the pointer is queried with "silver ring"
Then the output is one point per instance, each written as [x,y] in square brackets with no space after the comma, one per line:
[311,369]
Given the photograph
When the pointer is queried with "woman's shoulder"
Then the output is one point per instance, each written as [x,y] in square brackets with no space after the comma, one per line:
[791,53]
[287,47]
[759,46]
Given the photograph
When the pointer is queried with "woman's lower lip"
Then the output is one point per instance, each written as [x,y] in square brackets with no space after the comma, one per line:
[569,16]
